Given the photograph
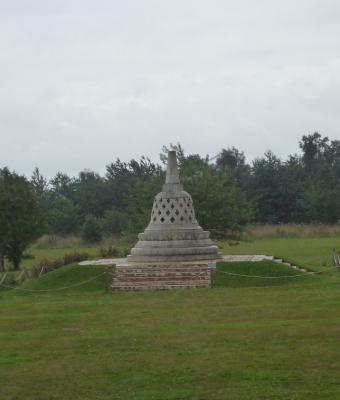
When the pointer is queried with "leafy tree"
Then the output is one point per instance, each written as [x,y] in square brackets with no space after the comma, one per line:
[140,203]
[91,193]
[220,205]
[114,221]
[39,182]
[92,229]
[62,185]
[232,163]
[21,219]
[41,188]
[172,147]
[122,179]
[313,148]
[63,216]
[264,187]
[4,220]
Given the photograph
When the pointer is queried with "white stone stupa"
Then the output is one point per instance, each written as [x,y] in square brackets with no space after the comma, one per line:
[173,233]
[173,251]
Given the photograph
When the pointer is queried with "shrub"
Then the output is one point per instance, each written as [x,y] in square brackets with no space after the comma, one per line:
[28,256]
[70,258]
[109,251]
[123,251]
[50,265]
[114,221]
[92,230]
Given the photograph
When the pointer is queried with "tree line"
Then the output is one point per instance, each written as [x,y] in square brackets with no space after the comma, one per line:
[228,193]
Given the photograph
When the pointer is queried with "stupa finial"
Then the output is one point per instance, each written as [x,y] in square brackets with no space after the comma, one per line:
[172,182]
[172,175]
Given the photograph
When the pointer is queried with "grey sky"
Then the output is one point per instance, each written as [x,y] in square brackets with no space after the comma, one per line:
[83,82]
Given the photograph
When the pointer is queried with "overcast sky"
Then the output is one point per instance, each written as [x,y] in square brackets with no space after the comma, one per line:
[83,82]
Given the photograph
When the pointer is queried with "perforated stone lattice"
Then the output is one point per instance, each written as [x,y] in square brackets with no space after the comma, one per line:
[173,210]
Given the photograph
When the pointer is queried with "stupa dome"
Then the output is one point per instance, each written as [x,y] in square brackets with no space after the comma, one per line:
[173,233]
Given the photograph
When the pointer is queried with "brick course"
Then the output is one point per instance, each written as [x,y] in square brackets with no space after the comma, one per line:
[161,276]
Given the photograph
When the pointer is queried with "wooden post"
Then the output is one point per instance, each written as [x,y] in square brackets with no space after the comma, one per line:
[3,279]
[335,260]
[108,279]
[2,262]
[41,271]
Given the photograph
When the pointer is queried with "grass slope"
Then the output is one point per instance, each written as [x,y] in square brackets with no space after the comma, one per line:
[273,342]
[313,253]
[256,269]
[54,253]
[68,276]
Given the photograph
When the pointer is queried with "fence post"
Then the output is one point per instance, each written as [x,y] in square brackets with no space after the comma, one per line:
[3,279]
[108,278]
[41,271]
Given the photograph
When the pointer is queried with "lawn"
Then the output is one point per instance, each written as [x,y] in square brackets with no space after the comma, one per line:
[54,253]
[236,341]
[314,253]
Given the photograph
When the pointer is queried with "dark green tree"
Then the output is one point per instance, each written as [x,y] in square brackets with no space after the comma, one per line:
[114,221]
[92,229]
[140,203]
[62,185]
[91,193]
[232,163]
[313,149]
[124,179]
[63,216]
[21,218]
[219,203]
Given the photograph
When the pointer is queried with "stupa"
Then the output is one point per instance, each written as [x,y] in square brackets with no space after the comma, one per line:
[173,251]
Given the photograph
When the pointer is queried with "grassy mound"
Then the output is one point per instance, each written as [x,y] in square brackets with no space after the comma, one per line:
[261,268]
[68,277]
[312,252]
[85,279]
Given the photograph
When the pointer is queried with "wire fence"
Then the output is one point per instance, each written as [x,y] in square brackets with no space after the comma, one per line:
[276,277]
[109,274]
[54,289]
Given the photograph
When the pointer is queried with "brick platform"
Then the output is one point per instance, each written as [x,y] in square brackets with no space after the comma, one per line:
[161,276]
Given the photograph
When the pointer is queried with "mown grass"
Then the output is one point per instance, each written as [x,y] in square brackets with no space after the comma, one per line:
[247,338]
[273,274]
[273,342]
[313,253]
[271,231]
[67,277]
[55,253]
[307,245]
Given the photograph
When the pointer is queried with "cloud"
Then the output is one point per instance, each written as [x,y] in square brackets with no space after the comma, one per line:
[84,82]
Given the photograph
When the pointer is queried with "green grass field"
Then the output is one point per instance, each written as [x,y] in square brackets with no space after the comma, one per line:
[54,253]
[279,340]
[314,253]
[247,338]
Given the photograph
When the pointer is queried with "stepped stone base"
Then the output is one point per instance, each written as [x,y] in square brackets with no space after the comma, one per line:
[161,276]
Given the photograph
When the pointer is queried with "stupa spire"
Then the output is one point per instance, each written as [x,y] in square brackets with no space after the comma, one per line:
[172,182]
[172,175]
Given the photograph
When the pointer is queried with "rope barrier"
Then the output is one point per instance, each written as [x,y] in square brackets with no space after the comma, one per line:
[107,272]
[55,289]
[274,277]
